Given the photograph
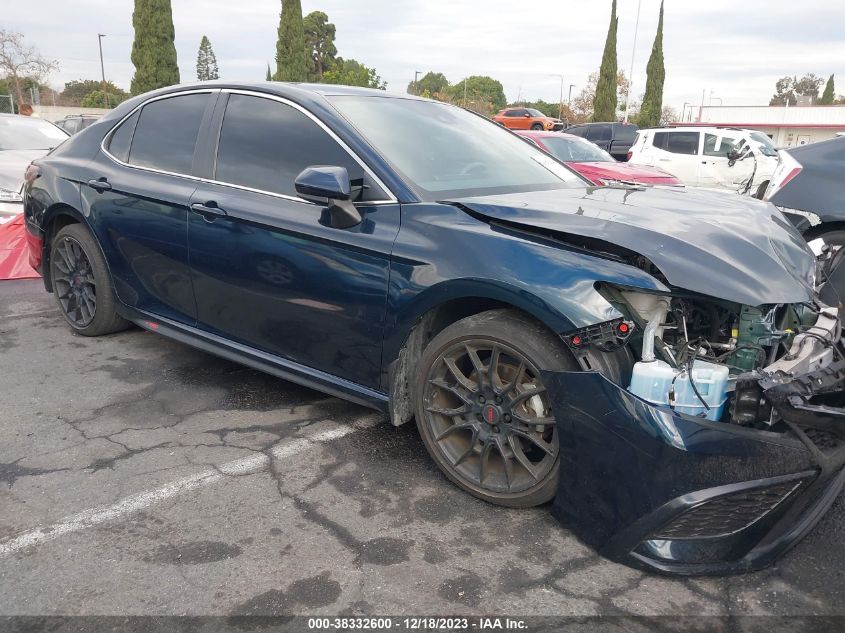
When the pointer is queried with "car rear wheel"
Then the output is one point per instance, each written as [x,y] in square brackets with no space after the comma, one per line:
[482,409]
[537,126]
[82,284]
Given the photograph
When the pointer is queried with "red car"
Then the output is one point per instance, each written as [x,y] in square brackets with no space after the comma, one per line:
[595,164]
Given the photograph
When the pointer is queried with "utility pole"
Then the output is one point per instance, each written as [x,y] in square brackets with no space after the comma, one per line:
[417,73]
[100,37]
[560,104]
[569,100]
[684,110]
[631,71]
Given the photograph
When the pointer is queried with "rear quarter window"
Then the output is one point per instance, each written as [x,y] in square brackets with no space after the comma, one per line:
[122,137]
[166,133]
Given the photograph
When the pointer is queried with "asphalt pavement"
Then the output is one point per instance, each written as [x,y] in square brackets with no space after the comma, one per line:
[139,476]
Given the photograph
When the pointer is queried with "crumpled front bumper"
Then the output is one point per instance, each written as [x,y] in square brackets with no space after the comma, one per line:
[655,489]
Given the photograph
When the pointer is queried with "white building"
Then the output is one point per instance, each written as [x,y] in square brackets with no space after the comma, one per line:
[787,126]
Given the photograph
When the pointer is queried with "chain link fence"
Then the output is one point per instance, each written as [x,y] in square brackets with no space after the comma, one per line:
[6,104]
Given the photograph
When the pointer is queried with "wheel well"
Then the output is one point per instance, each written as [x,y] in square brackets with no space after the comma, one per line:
[820,229]
[62,216]
[429,325]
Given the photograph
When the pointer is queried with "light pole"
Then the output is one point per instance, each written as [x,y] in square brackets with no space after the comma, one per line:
[631,71]
[417,73]
[684,110]
[569,100]
[100,37]
[560,103]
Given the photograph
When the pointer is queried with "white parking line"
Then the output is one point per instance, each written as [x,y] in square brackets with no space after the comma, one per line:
[247,465]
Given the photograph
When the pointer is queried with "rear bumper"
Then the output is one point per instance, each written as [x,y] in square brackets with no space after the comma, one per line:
[671,493]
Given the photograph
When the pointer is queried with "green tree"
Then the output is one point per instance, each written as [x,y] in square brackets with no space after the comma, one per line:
[319,44]
[206,62]
[349,72]
[153,51]
[651,109]
[291,60]
[829,94]
[478,88]
[604,105]
[431,81]
[103,99]
[75,92]
[269,76]
[788,89]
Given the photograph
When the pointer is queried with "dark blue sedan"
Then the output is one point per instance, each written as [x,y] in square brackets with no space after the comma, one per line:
[655,362]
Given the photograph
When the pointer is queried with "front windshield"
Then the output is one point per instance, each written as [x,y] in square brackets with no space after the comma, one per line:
[534,112]
[766,147]
[21,133]
[443,151]
[576,150]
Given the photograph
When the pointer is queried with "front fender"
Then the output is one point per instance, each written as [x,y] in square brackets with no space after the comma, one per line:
[443,254]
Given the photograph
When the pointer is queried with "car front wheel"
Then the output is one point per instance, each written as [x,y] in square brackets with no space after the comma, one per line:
[482,409]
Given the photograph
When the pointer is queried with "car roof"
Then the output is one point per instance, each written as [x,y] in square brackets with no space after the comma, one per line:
[694,128]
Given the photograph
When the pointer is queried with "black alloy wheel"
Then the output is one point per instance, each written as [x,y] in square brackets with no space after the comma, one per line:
[82,284]
[73,279]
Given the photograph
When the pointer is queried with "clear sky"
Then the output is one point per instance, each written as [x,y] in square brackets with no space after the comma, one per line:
[733,50]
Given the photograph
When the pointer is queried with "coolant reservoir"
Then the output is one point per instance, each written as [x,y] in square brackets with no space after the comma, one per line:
[652,381]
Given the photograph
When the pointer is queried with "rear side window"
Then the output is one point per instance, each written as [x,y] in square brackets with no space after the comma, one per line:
[122,137]
[677,142]
[577,131]
[265,144]
[166,133]
[598,133]
[71,126]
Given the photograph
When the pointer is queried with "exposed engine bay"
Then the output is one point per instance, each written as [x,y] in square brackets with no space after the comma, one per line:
[751,366]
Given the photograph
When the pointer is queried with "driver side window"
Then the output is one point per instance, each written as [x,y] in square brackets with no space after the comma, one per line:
[719,145]
[265,144]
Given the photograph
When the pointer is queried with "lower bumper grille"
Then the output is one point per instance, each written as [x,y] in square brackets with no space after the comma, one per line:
[729,514]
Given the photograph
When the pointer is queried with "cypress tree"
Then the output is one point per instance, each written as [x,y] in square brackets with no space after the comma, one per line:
[153,51]
[269,76]
[604,105]
[653,99]
[829,93]
[206,62]
[291,60]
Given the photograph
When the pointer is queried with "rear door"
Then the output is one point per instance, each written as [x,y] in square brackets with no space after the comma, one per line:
[137,199]
[678,152]
[269,270]
[517,119]
[600,134]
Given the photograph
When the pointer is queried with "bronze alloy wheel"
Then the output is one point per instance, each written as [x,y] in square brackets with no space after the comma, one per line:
[483,411]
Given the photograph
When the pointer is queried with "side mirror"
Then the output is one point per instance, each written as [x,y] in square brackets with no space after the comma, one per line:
[331,183]
[324,182]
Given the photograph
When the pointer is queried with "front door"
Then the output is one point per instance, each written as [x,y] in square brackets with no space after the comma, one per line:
[269,270]
[137,197]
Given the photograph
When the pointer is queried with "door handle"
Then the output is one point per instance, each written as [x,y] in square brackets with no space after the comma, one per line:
[100,185]
[209,210]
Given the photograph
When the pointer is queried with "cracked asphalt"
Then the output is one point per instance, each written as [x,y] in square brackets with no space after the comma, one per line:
[139,476]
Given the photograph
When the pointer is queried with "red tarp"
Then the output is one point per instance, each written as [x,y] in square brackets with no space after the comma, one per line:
[14,257]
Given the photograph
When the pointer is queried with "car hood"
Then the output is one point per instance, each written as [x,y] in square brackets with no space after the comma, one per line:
[718,244]
[624,171]
[13,164]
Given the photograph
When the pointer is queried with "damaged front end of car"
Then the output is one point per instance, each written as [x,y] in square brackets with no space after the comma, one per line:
[703,436]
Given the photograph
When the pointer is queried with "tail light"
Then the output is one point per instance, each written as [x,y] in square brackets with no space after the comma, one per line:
[32,172]
[786,170]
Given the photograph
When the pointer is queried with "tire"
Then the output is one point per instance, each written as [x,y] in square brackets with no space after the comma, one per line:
[475,431]
[82,284]
[537,126]
[761,190]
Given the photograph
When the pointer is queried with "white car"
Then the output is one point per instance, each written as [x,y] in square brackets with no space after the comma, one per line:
[714,157]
